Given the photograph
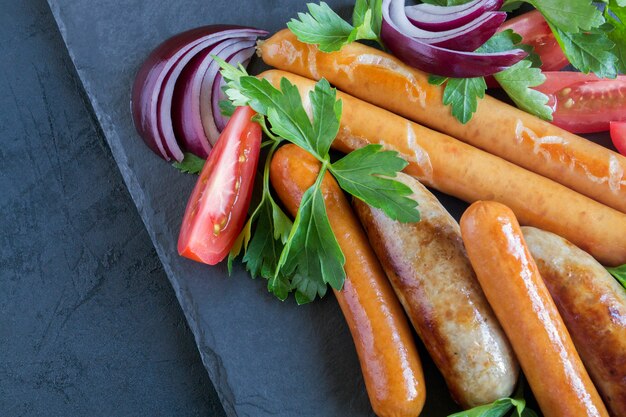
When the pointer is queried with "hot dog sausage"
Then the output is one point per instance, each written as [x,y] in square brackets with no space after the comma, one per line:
[429,270]
[593,307]
[470,174]
[384,343]
[510,279]
[498,128]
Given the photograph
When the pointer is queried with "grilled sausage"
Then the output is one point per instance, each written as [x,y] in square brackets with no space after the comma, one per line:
[593,307]
[510,279]
[384,343]
[470,174]
[431,275]
[496,127]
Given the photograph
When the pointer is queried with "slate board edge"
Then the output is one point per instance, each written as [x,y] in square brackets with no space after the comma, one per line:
[210,359]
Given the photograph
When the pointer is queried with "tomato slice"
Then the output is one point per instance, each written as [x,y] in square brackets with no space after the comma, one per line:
[618,136]
[535,32]
[584,103]
[217,208]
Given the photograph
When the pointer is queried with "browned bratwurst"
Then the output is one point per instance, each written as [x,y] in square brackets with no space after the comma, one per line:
[382,336]
[512,283]
[429,270]
[496,127]
[458,169]
[593,307]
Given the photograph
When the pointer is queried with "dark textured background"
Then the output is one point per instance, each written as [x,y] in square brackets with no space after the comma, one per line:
[89,325]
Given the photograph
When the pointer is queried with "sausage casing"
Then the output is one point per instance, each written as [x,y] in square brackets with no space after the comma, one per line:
[593,307]
[389,360]
[431,275]
[512,283]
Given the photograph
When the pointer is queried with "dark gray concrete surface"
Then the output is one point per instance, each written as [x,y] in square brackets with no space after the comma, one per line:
[89,325]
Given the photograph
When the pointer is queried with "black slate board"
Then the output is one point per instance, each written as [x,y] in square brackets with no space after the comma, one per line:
[264,357]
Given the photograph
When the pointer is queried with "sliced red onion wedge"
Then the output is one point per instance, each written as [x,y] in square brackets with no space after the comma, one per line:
[440,18]
[206,88]
[186,109]
[242,57]
[437,60]
[160,70]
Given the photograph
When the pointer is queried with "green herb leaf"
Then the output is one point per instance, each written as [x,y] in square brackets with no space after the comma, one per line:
[312,254]
[364,174]
[501,407]
[569,15]
[511,5]
[191,164]
[517,82]
[326,116]
[619,273]
[462,95]
[615,15]
[588,52]
[321,26]
[227,108]
[325,28]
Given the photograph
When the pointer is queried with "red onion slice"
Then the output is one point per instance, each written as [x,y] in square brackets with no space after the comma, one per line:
[440,18]
[437,60]
[242,57]
[152,75]
[206,88]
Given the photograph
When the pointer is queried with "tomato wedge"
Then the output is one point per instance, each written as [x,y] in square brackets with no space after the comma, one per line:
[584,103]
[618,136]
[535,32]
[217,208]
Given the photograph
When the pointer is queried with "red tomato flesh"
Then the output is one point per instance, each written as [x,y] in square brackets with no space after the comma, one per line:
[584,103]
[217,208]
[535,32]
[618,136]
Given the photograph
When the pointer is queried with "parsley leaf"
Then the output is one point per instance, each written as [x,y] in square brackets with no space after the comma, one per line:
[517,82]
[363,173]
[227,108]
[321,26]
[325,28]
[569,15]
[191,164]
[462,95]
[619,273]
[588,52]
[511,5]
[312,254]
[618,34]
[501,407]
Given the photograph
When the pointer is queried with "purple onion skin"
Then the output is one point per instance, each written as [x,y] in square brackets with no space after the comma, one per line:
[450,17]
[188,128]
[149,79]
[476,37]
[445,62]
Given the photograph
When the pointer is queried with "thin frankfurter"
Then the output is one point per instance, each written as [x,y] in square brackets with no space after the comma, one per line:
[593,307]
[497,128]
[384,343]
[428,268]
[510,279]
[453,167]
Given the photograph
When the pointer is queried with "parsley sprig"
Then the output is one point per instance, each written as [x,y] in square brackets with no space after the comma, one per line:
[325,28]
[462,94]
[501,407]
[619,273]
[304,256]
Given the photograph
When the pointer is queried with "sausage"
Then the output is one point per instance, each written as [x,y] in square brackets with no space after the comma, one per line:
[382,336]
[593,307]
[433,279]
[496,127]
[453,167]
[510,279]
